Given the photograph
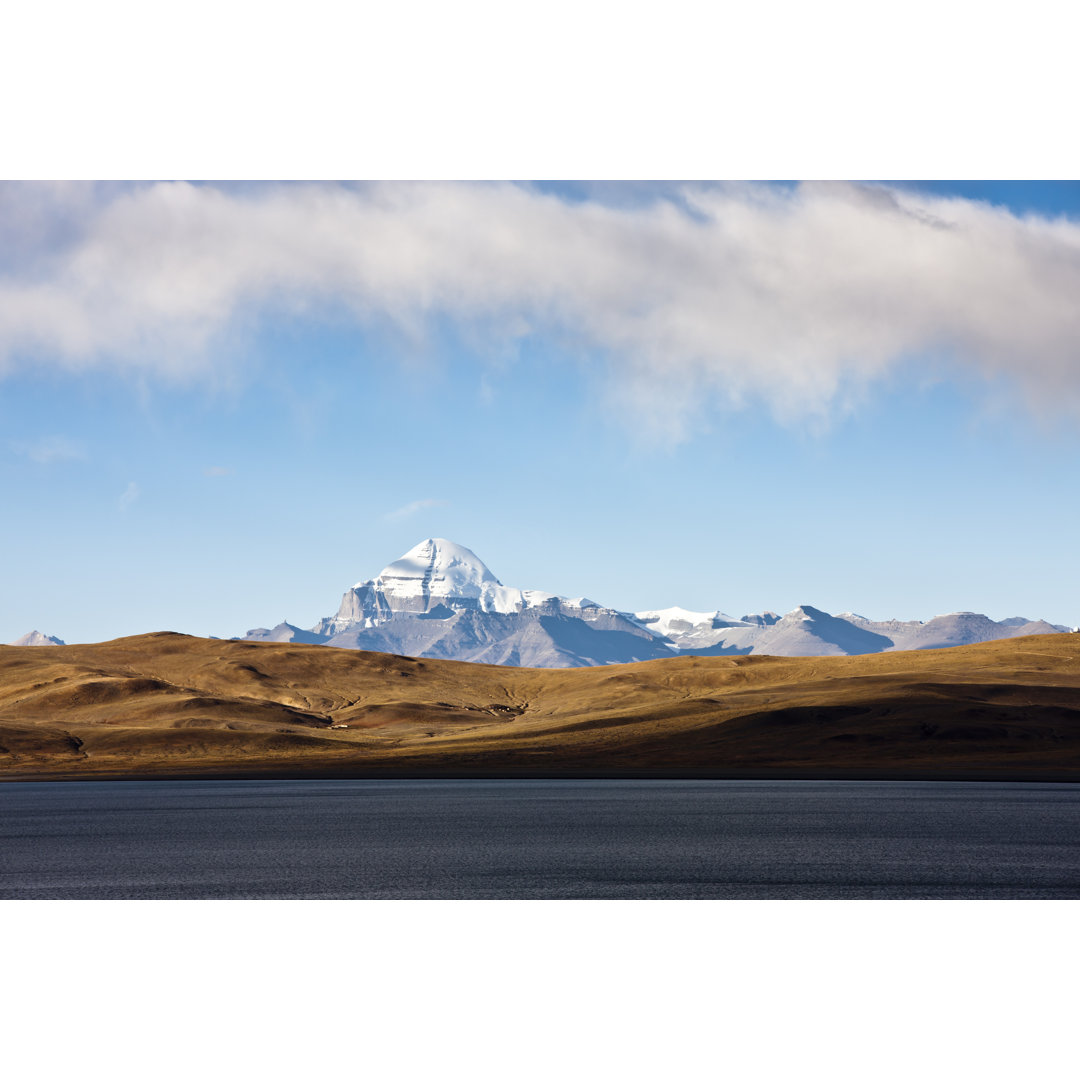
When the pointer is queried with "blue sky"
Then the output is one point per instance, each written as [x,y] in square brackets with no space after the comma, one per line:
[193,442]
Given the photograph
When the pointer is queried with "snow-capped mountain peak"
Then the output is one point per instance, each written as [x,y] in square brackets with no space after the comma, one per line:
[435,568]
[35,637]
[675,620]
[435,578]
[684,629]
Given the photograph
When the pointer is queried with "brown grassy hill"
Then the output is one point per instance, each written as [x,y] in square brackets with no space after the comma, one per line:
[168,704]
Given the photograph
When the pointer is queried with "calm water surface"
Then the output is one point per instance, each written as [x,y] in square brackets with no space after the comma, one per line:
[538,839]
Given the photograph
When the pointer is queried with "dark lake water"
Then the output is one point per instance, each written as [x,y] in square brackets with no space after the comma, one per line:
[538,839]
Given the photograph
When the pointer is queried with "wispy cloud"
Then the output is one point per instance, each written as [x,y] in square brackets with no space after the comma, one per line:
[129,495]
[217,470]
[51,449]
[791,295]
[412,508]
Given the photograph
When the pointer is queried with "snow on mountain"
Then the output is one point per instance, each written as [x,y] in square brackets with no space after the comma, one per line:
[434,569]
[767,618]
[676,620]
[686,630]
[285,631]
[437,571]
[434,575]
[440,600]
[36,638]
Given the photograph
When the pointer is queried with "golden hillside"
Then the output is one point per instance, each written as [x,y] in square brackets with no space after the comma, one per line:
[168,704]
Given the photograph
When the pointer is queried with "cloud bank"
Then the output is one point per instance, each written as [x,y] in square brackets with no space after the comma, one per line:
[739,292]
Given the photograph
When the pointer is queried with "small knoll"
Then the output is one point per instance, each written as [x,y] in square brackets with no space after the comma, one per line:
[172,705]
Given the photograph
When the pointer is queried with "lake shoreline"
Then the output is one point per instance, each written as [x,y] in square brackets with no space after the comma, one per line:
[999,776]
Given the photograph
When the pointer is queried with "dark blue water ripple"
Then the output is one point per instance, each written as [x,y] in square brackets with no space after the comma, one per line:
[537,839]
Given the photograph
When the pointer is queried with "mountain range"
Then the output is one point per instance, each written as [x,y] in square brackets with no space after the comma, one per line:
[439,600]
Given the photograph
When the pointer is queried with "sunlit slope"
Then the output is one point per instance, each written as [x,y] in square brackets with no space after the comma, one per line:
[170,704]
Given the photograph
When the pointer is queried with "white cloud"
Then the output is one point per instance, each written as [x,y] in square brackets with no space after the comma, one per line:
[734,292]
[50,450]
[217,470]
[129,495]
[412,508]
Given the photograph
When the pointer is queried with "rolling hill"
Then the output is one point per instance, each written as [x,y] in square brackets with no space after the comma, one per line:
[171,705]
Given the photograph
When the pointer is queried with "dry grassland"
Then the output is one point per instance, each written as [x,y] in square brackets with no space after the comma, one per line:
[171,705]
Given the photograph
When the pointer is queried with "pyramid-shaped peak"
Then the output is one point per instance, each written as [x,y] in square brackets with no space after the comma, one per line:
[438,559]
[434,575]
[433,571]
